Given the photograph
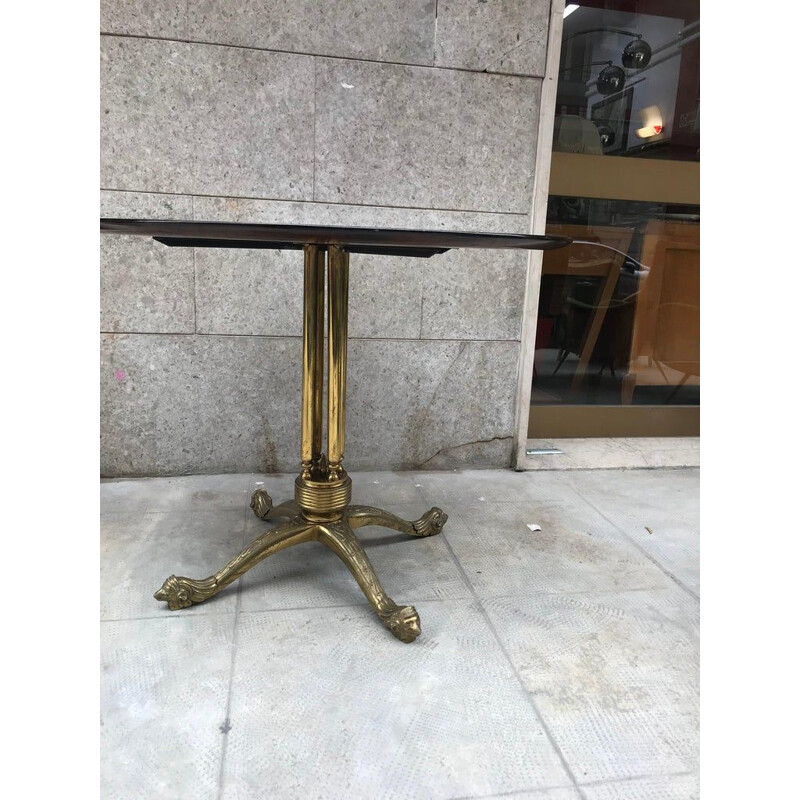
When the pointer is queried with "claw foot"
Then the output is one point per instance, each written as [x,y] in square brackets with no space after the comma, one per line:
[261,503]
[430,523]
[403,623]
[183,592]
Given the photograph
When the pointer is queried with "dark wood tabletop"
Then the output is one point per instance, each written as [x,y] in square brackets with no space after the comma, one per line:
[382,241]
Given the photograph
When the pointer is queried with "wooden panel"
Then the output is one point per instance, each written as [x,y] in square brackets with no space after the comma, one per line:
[621,178]
[579,422]
[666,329]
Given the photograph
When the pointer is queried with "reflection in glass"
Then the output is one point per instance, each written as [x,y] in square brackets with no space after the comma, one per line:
[617,342]
[619,310]
[620,61]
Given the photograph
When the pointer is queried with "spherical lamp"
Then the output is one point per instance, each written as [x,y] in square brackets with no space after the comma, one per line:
[607,135]
[610,80]
[636,54]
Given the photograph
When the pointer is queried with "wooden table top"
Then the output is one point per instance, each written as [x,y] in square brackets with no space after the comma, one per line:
[381,241]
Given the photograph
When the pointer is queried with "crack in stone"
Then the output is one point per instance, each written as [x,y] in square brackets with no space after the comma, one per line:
[465,444]
[499,59]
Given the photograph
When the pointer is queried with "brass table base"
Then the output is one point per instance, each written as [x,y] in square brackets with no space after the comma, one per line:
[321,510]
[337,534]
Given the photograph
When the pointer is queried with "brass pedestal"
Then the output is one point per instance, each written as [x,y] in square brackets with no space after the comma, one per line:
[321,510]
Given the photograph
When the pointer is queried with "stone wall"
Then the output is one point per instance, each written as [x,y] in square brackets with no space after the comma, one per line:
[399,113]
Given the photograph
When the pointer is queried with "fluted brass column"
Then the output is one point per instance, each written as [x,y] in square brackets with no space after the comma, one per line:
[313,356]
[338,280]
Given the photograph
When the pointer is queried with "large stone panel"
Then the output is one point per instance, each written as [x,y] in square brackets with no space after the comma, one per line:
[431,404]
[186,118]
[174,405]
[144,286]
[162,18]
[194,404]
[378,30]
[414,136]
[493,37]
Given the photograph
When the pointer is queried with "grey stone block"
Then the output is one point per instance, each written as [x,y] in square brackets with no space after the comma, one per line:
[544,794]
[387,489]
[379,30]
[163,694]
[145,286]
[439,719]
[250,292]
[208,493]
[144,205]
[474,294]
[162,18]
[411,136]
[630,706]
[493,37]
[237,209]
[186,404]
[429,404]
[472,486]
[260,292]
[183,404]
[185,118]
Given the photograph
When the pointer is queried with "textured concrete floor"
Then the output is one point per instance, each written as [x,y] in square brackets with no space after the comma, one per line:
[553,665]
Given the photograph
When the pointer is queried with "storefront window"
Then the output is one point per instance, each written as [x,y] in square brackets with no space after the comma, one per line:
[618,331]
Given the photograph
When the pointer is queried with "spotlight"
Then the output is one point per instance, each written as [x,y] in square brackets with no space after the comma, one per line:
[610,80]
[636,54]
[607,135]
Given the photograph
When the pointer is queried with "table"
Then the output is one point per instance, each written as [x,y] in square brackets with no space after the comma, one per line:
[321,510]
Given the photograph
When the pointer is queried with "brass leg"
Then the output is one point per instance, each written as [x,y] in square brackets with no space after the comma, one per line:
[180,592]
[261,503]
[313,355]
[402,621]
[429,524]
[338,280]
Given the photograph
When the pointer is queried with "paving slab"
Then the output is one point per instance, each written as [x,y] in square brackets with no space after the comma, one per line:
[615,676]
[327,705]
[553,664]
[163,698]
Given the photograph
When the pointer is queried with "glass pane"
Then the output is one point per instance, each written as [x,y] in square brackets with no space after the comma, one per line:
[629,80]
[618,331]
[619,309]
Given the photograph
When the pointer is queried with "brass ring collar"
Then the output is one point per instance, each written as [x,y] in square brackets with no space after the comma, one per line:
[323,501]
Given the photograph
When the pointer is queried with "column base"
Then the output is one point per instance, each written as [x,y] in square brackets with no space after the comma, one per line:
[321,498]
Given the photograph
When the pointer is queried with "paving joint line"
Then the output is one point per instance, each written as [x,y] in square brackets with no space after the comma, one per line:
[631,778]
[511,794]
[226,723]
[168,615]
[636,544]
[531,700]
